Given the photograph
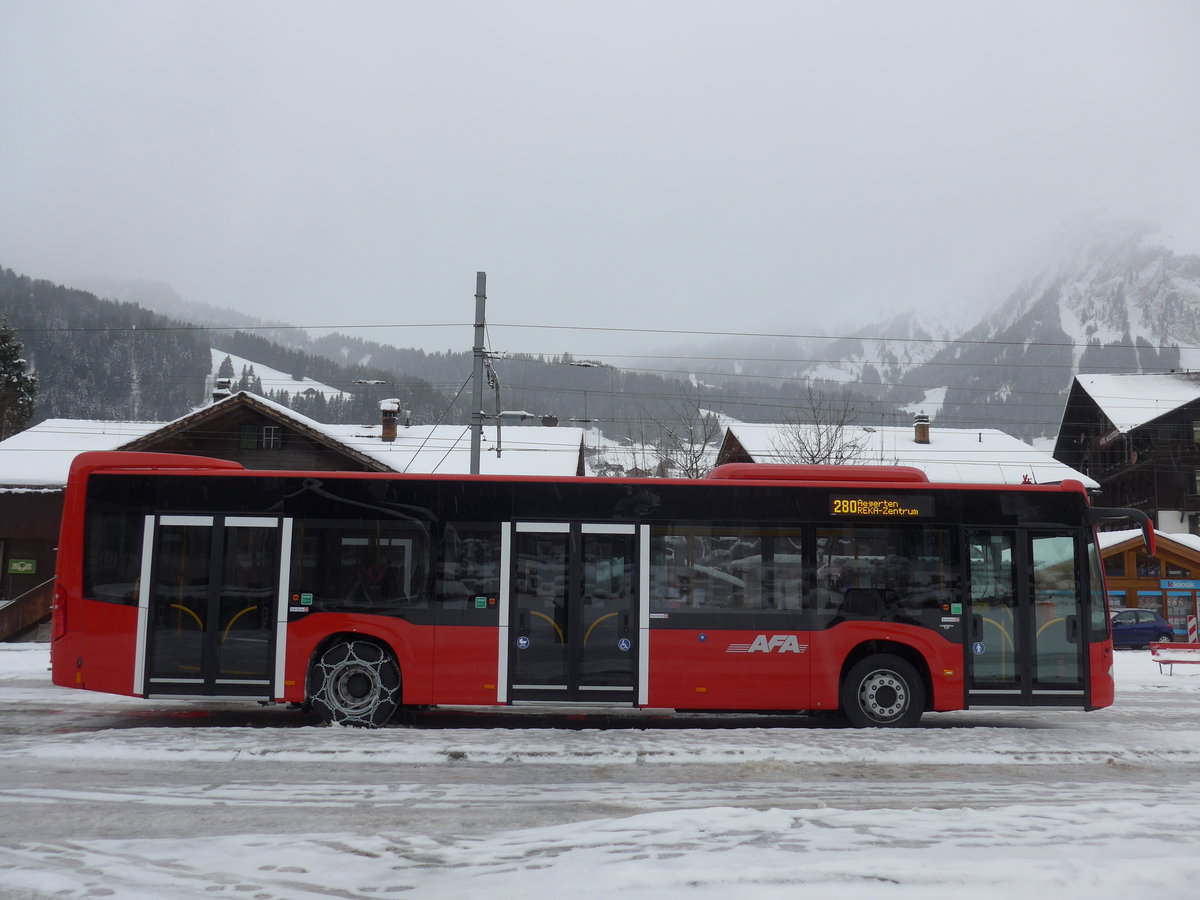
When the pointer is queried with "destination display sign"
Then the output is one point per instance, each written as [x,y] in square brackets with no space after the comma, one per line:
[881,507]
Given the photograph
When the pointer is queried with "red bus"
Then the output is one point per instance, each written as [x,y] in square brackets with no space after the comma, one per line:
[858,590]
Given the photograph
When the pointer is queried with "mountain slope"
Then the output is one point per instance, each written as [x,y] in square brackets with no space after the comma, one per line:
[1115,296]
[1116,301]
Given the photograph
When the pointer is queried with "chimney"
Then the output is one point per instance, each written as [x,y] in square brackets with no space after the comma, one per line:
[222,388]
[389,413]
[921,428]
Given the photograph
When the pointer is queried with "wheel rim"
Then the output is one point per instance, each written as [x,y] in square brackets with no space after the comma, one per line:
[354,687]
[883,695]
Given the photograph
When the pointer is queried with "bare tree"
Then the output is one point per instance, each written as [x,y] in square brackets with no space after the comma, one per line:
[690,436]
[820,432]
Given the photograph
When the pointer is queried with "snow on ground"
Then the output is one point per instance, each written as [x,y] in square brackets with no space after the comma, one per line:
[111,796]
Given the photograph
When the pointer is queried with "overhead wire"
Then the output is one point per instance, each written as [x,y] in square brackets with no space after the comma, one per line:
[764,402]
[604,329]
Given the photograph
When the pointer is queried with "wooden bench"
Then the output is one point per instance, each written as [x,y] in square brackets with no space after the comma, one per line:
[1171,655]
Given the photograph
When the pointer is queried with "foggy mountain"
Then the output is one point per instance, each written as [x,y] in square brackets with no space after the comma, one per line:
[1110,295]
[1116,300]
[1114,297]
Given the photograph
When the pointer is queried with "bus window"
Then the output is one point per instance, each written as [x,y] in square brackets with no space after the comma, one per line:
[468,564]
[723,568]
[1055,597]
[350,566]
[113,560]
[900,573]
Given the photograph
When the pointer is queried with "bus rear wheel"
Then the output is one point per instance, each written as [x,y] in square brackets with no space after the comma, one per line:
[355,683]
[882,691]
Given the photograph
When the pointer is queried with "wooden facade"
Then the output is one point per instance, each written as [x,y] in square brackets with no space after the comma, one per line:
[1154,467]
[246,430]
[1168,582]
[28,549]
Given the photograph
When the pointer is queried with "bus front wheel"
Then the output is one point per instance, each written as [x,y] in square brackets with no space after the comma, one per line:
[355,683]
[882,690]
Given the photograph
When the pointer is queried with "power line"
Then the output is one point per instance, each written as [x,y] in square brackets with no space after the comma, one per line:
[603,329]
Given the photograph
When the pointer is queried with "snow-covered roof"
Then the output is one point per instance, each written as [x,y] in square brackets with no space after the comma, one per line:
[42,455]
[447,448]
[953,455]
[1113,538]
[1130,401]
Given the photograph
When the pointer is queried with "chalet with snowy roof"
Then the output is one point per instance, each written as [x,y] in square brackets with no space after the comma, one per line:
[248,429]
[1167,583]
[1139,437]
[948,455]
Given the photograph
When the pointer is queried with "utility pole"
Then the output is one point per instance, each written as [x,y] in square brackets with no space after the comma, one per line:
[477,382]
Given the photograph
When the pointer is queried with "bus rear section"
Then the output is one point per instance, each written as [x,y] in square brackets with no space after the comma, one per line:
[872,594]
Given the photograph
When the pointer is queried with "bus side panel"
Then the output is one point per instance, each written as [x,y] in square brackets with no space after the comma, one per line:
[729,669]
[1103,689]
[411,644]
[466,668]
[786,670]
[943,659]
[98,652]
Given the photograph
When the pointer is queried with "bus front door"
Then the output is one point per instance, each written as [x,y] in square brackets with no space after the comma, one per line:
[1026,641]
[209,607]
[573,614]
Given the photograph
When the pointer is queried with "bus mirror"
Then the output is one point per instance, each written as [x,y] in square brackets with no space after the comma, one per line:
[1098,514]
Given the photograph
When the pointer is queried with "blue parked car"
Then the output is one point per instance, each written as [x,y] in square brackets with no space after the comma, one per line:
[1139,627]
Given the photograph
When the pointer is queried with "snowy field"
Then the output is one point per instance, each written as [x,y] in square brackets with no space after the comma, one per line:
[110,797]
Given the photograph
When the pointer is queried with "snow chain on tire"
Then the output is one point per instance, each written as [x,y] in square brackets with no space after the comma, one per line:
[355,683]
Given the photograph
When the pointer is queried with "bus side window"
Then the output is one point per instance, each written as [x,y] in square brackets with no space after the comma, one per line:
[890,572]
[468,564]
[112,564]
[358,565]
[725,569]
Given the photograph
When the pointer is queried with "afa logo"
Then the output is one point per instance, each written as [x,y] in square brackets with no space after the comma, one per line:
[782,643]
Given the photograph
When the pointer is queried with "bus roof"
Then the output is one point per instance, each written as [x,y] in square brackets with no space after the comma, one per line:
[866,477]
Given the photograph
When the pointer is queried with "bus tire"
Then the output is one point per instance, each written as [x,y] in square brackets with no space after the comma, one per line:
[356,683]
[882,691]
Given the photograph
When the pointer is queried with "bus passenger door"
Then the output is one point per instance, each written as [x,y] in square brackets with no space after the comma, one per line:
[572,613]
[1026,642]
[209,608]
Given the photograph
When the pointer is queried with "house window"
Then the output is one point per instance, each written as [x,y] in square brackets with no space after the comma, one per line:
[1114,566]
[1148,566]
[1196,432]
[259,437]
[1175,570]
[248,437]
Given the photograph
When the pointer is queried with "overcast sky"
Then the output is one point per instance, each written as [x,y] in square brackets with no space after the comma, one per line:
[731,166]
